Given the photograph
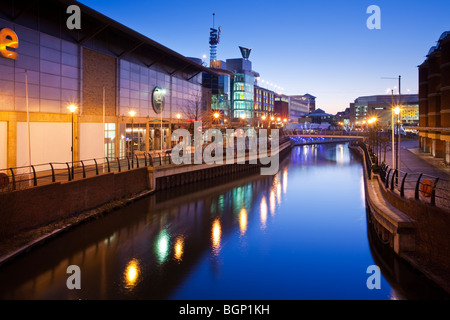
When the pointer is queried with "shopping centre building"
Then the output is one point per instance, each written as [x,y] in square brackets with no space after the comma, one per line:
[117,79]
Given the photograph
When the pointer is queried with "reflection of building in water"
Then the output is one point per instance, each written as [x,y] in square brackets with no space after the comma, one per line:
[243,221]
[131,274]
[263,209]
[216,236]
[175,231]
[178,248]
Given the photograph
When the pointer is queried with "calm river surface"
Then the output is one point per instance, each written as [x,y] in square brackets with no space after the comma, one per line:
[299,235]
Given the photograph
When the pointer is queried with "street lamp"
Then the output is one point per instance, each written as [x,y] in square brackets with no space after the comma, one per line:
[132,113]
[178,117]
[216,116]
[374,134]
[72,108]
[397,147]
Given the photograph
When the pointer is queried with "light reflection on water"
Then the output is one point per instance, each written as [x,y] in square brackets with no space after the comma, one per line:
[300,234]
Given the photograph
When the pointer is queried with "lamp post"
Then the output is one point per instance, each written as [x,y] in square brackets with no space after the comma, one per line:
[263,118]
[72,108]
[372,122]
[393,131]
[397,164]
[163,92]
[178,117]
[132,113]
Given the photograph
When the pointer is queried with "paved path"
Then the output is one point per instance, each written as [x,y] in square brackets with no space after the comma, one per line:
[413,160]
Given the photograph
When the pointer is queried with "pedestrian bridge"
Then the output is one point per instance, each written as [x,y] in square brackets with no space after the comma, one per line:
[303,137]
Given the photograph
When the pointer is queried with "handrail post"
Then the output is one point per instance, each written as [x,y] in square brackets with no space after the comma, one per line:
[34,176]
[96,167]
[416,193]
[128,160]
[145,159]
[433,193]
[402,190]
[118,164]
[109,168]
[13,178]
[137,161]
[151,160]
[386,184]
[84,171]
[53,172]
[68,170]
[396,179]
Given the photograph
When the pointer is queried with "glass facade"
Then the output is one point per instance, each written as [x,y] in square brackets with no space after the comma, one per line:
[53,71]
[243,95]
[220,92]
[137,83]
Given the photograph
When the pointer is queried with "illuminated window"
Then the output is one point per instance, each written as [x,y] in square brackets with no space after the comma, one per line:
[110,140]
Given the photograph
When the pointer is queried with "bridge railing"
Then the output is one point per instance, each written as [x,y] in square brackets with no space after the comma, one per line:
[296,132]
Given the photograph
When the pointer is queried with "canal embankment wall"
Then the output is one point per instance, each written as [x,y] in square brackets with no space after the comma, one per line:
[35,207]
[416,231]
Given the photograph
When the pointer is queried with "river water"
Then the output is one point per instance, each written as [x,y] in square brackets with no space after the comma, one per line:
[299,235]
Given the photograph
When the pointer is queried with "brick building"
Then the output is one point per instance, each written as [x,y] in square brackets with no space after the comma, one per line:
[434,100]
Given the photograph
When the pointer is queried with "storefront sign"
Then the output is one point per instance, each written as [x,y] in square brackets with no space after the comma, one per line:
[8,40]
[158,100]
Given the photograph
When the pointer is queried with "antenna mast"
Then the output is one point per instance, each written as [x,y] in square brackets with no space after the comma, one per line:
[213,41]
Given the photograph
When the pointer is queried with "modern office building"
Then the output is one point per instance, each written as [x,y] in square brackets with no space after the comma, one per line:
[342,118]
[115,77]
[307,100]
[300,106]
[434,94]
[282,107]
[242,84]
[264,103]
[220,85]
[381,106]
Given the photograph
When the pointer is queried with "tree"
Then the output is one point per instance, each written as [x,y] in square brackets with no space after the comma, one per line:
[198,108]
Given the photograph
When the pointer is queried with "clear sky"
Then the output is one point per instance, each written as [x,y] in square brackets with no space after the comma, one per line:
[321,47]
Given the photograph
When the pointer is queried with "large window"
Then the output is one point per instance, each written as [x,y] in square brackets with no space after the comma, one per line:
[110,140]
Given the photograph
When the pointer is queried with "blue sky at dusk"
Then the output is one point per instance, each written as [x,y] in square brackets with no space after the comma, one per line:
[320,47]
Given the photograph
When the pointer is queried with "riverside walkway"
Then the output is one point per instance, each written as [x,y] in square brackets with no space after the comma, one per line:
[414,162]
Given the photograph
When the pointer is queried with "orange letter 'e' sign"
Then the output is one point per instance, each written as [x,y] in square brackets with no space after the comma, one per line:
[8,39]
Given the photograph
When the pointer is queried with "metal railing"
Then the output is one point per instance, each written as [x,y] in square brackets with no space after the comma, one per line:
[324,132]
[37,175]
[18,178]
[420,186]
